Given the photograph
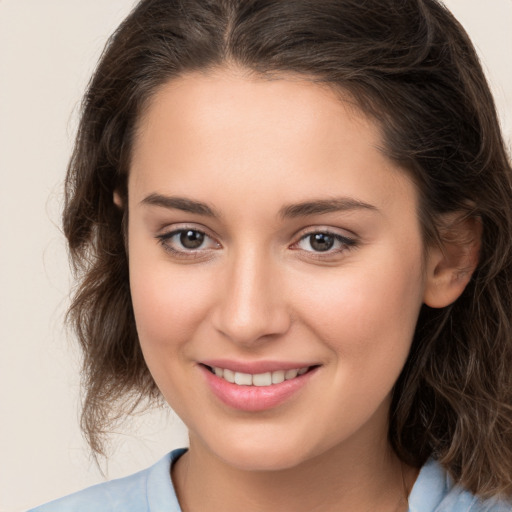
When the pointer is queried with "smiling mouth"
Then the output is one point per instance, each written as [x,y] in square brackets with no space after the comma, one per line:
[258,379]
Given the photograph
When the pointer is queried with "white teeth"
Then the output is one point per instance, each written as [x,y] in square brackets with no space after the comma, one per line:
[229,376]
[291,374]
[243,379]
[278,377]
[262,379]
[259,379]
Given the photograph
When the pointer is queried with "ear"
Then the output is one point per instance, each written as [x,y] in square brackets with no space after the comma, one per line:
[117,199]
[451,264]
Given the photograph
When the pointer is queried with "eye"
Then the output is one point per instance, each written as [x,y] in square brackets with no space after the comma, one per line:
[187,241]
[325,242]
[190,239]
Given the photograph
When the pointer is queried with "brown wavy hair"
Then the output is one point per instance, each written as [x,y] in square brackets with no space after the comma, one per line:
[410,66]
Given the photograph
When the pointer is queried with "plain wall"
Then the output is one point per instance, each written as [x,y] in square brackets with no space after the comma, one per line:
[48,49]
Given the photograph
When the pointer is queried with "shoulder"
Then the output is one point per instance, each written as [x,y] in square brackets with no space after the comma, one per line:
[435,491]
[150,490]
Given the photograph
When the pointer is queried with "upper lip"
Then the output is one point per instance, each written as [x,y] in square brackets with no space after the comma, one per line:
[255,367]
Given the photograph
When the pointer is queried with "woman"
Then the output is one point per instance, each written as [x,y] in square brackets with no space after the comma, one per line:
[291,220]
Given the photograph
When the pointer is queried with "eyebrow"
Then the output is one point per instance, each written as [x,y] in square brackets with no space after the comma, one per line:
[316,207]
[322,206]
[180,203]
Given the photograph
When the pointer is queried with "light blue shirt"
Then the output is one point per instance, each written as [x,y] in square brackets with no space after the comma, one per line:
[151,490]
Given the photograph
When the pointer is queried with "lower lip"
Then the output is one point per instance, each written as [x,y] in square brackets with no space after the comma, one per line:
[255,398]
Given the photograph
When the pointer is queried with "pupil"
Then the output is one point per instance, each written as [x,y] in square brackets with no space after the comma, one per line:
[191,239]
[321,241]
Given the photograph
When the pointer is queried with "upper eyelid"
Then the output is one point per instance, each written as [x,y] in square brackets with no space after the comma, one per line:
[311,230]
[347,241]
[165,241]
[170,231]
[338,236]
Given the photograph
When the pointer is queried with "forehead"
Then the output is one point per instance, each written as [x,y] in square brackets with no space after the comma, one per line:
[243,132]
[234,98]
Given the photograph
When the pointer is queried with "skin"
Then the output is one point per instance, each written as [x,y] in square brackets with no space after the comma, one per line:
[258,290]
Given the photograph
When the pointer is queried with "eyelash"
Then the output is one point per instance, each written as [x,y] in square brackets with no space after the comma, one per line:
[165,240]
[345,242]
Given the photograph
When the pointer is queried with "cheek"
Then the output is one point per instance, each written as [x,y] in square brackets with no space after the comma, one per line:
[169,301]
[368,313]
[170,306]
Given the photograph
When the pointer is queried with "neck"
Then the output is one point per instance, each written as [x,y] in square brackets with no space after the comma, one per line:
[357,478]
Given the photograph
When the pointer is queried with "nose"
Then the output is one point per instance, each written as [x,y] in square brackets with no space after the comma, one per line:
[252,306]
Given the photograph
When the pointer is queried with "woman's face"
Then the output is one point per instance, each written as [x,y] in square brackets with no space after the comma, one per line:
[268,234]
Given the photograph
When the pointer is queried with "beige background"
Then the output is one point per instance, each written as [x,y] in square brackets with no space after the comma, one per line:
[48,49]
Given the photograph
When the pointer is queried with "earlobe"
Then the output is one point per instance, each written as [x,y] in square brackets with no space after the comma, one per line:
[117,199]
[450,266]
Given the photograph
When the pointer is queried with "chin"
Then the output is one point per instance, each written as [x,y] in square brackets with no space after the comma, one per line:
[262,454]
[263,460]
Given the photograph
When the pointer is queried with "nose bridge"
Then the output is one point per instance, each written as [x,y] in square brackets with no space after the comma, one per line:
[252,305]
